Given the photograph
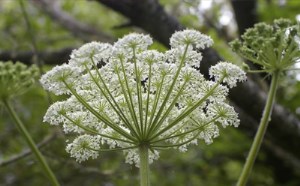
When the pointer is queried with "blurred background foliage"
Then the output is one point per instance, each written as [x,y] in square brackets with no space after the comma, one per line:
[218,164]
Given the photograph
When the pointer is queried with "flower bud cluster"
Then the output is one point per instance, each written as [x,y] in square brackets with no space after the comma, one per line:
[16,78]
[124,96]
[274,47]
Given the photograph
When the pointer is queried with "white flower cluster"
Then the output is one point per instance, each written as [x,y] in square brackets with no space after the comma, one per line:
[191,37]
[123,96]
[84,146]
[229,72]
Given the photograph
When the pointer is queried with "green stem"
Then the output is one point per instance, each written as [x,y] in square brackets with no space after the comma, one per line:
[112,102]
[187,111]
[170,89]
[261,131]
[31,143]
[39,62]
[102,118]
[172,105]
[139,92]
[144,165]
[92,131]
[130,96]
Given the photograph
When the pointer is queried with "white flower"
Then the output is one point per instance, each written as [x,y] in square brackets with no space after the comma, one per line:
[210,132]
[99,52]
[133,158]
[191,37]
[218,94]
[230,72]
[140,97]
[54,114]
[191,58]
[226,113]
[84,147]
[81,118]
[139,42]
[55,79]
[150,57]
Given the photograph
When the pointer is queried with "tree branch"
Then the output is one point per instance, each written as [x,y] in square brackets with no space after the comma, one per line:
[27,151]
[77,28]
[245,14]
[48,57]
[148,15]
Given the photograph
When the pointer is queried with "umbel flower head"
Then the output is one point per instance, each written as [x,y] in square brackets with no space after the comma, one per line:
[274,47]
[15,79]
[124,96]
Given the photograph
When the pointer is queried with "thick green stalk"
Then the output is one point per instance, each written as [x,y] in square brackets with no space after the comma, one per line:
[31,143]
[144,165]
[261,131]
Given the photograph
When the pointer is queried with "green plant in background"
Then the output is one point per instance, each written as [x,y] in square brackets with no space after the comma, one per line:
[276,49]
[125,97]
[16,79]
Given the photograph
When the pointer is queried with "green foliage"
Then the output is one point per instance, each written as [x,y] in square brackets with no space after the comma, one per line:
[274,9]
[50,35]
[47,33]
[215,165]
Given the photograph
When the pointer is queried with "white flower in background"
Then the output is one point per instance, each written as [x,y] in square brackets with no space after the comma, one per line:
[84,147]
[190,37]
[230,73]
[125,97]
[55,78]
[100,52]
